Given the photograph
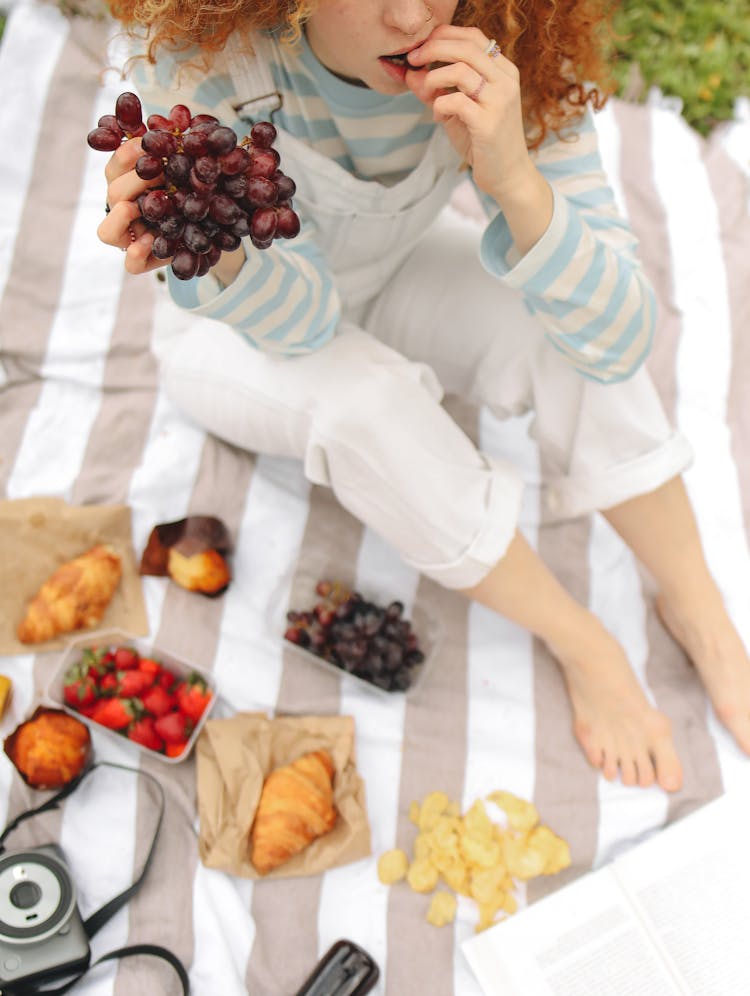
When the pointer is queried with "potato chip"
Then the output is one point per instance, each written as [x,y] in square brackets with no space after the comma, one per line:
[522,815]
[442,909]
[393,866]
[422,876]
[432,809]
[474,856]
[554,849]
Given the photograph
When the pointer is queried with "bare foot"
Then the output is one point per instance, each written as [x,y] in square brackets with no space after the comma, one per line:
[709,638]
[618,729]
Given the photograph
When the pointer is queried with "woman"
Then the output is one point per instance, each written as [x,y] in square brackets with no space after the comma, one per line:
[336,347]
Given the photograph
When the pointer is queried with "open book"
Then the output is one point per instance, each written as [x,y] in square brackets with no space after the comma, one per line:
[670,916]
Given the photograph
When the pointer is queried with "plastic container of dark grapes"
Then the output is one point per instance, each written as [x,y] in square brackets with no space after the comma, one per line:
[425,625]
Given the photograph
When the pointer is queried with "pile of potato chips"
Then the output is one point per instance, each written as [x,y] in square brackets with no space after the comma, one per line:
[473,855]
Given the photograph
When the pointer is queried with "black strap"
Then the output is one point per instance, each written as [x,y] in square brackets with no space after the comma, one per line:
[133,949]
[97,920]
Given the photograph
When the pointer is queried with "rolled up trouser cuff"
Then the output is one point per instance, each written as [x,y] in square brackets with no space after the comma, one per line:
[491,541]
[568,497]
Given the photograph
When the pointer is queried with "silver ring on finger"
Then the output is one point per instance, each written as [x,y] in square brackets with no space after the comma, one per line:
[492,49]
[475,95]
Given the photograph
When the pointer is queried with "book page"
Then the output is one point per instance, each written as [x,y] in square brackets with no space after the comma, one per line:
[583,939]
[691,885]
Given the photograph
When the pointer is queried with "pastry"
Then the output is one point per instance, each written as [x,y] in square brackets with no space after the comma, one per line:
[75,597]
[49,749]
[295,808]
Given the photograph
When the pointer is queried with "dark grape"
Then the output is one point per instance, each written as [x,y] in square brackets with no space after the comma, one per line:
[226,241]
[223,209]
[260,192]
[207,169]
[263,134]
[163,247]
[200,119]
[222,140]
[263,224]
[196,207]
[181,116]
[234,162]
[104,139]
[185,264]
[263,162]
[178,168]
[195,238]
[159,143]
[287,222]
[286,188]
[128,112]
[214,192]
[110,121]
[148,167]
[157,122]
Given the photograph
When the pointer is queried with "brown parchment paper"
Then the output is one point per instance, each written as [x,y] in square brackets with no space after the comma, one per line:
[233,758]
[37,535]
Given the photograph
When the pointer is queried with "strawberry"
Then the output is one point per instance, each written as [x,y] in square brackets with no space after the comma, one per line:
[125,658]
[149,666]
[193,695]
[142,732]
[114,713]
[108,683]
[94,662]
[157,701]
[133,683]
[166,679]
[79,689]
[174,750]
[173,727]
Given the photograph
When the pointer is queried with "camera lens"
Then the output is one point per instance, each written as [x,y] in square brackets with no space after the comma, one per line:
[25,894]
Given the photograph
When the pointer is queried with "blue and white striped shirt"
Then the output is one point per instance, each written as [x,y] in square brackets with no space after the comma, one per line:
[582,278]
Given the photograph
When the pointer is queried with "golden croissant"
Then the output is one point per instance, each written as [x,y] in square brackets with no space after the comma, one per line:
[295,808]
[74,597]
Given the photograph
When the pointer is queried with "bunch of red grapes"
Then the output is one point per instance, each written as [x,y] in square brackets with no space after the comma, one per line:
[214,190]
[370,641]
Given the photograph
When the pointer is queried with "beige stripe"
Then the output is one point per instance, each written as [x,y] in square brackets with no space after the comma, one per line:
[285,911]
[434,757]
[190,624]
[118,436]
[565,792]
[648,219]
[33,289]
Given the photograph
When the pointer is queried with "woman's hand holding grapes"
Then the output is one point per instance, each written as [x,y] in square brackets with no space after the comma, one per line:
[123,226]
[475,94]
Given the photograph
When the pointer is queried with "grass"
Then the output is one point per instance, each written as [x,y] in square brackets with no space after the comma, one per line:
[697,50]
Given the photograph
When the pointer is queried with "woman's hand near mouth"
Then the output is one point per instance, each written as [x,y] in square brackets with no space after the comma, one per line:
[484,122]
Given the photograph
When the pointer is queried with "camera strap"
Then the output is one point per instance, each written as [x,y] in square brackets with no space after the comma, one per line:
[101,916]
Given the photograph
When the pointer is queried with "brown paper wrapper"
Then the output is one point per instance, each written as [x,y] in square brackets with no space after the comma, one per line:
[37,535]
[235,755]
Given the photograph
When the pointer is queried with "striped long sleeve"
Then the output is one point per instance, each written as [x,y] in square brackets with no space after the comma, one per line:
[582,279]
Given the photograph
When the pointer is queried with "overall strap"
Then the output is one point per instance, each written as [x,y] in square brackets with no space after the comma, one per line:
[254,86]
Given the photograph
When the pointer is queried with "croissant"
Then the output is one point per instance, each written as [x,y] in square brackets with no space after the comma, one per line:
[295,808]
[74,597]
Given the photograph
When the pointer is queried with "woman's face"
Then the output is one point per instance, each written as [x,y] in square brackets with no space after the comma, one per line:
[356,38]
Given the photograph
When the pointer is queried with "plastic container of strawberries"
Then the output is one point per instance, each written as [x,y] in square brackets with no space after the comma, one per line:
[114,638]
[424,624]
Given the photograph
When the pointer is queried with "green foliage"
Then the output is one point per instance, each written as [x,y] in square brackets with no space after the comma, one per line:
[697,50]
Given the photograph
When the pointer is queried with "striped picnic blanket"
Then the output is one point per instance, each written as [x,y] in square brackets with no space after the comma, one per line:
[82,417]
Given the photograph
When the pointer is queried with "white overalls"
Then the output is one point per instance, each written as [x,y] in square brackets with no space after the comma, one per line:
[420,317]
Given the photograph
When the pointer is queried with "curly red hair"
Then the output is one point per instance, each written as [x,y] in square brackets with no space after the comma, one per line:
[559,46]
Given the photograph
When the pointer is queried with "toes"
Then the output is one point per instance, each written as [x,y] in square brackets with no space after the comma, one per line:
[610,766]
[668,767]
[645,768]
[628,771]
[739,726]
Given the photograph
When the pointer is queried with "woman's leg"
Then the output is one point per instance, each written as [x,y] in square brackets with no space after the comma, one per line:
[661,530]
